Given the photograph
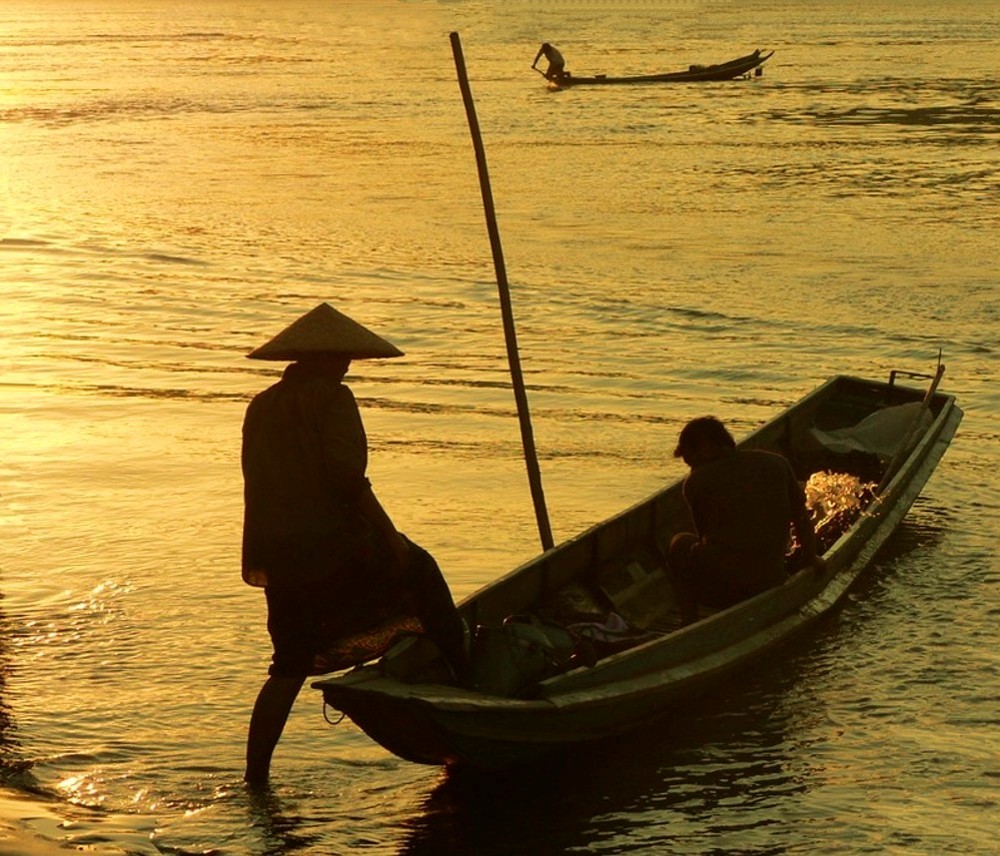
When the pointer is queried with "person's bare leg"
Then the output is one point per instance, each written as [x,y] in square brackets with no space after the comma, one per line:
[270,713]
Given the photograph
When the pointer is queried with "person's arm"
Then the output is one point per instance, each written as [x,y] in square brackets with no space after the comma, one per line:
[805,533]
[690,492]
[538,56]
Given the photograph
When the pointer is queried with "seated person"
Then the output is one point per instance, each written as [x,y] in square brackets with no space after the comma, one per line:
[744,504]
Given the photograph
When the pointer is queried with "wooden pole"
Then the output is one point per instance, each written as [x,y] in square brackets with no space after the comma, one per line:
[510,335]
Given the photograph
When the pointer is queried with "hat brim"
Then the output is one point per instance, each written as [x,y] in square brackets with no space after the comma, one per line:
[325,331]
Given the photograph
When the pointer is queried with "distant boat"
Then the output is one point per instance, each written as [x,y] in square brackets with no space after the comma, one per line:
[739,67]
[537,689]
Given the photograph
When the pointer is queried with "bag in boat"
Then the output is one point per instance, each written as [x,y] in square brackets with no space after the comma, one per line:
[511,659]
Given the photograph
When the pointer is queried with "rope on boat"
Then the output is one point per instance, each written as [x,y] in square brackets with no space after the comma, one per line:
[327,717]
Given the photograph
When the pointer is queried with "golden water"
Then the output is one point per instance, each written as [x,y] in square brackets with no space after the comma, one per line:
[179,180]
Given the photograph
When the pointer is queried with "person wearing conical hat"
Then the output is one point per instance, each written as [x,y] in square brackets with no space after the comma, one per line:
[315,536]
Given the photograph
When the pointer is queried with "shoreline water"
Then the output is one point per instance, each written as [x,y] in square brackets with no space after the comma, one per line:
[30,827]
[17,815]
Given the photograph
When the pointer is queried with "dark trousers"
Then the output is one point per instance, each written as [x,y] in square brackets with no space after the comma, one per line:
[303,620]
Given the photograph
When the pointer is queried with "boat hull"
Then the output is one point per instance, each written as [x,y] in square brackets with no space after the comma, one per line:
[437,724]
[695,74]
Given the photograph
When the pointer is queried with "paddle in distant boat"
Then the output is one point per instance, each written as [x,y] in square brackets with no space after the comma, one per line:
[739,67]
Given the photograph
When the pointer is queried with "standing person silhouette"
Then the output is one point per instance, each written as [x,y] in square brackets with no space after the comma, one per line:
[315,536]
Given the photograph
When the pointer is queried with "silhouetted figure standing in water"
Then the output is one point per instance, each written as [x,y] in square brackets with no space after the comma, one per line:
[744,504]
[315,536]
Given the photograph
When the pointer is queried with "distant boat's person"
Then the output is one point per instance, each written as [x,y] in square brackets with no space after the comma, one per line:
[744,504]
[557,65]
[315,536]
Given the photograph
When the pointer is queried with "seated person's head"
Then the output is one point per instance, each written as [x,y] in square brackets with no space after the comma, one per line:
[703,439]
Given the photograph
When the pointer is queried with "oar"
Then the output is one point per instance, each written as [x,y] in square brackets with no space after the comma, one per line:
[510,335]
[552,81]
[904,447]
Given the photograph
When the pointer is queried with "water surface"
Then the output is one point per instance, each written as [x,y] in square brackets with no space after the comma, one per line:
[181,180]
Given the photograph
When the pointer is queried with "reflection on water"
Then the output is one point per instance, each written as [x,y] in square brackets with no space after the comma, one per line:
[280,830]
[713,773]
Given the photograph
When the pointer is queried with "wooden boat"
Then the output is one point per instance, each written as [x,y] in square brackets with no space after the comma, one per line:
[738,67]
[884,433]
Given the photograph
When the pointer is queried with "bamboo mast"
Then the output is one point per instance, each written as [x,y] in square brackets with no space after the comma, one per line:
[510,335]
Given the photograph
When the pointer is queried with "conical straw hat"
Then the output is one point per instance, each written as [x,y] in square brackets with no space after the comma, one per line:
[324,330]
